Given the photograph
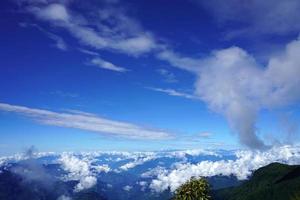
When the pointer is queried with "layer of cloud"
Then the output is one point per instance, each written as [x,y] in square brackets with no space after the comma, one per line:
[242,167]
[87,122]
[99,62]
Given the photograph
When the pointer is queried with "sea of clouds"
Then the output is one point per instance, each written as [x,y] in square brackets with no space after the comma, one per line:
[158,171]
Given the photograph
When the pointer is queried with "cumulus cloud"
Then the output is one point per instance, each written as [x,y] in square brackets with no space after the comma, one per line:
[87,122]
[242,167]
[127,188]
[78,169]
[234,84]
[99,62]
[138,161]
[110,28]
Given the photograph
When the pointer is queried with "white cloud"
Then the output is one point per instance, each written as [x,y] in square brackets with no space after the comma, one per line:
[232,83]
[137,161]
[78,169]
[168,75]
[92,53]
[87,122]
[127,188]
[173,92]
[110,29]
[193,152]
[55,12]
[59,41]
[101,168]
[64,197]
[99,62]
[205,134]
[177,60]
[242,167]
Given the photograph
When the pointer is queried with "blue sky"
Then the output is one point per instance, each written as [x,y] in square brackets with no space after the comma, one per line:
[148,75]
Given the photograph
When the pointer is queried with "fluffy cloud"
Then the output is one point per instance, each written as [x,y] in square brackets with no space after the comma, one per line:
[232,83]
[53,12]
[87,122]
[242,167]
[99,62]
[127,188]
[137,161]
[78,169]
[101,168]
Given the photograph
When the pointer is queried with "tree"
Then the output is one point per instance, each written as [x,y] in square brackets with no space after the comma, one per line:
[194,189]
[296,196]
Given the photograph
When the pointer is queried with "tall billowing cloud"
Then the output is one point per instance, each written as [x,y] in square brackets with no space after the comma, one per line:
[235,85]
[231,82]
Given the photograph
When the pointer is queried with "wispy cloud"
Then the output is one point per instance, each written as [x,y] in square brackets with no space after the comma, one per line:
[168,76]
[179,61]
[64,94]
[205,134]
[88,123]
[99,62]
[59,41]
[88,52]
[173,92]
[110,28]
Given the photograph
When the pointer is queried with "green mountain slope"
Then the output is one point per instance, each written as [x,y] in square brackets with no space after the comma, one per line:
[272,182]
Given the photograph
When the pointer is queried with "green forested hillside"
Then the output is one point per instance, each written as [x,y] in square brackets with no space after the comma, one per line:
[272,182]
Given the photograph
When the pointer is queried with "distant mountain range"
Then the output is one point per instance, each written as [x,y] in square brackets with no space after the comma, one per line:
[273,182]
[149,175]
